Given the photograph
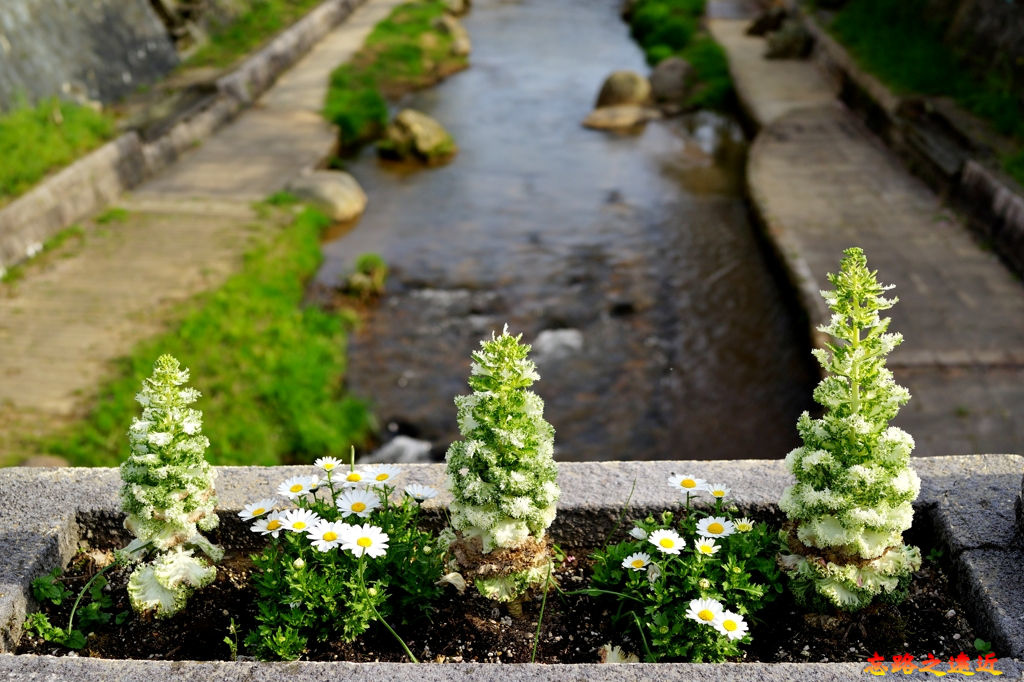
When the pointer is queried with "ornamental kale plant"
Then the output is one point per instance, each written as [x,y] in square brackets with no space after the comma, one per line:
[854,487]
[502,475]
[687,584]
[168,494]
[347,554]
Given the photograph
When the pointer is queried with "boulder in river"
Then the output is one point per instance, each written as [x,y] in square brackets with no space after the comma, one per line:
[621,116]
[334,192]
[672,81]
[414,136]
[400,450]
[457,7]
[449,25]
[556,344]
[624,87]
[791,41]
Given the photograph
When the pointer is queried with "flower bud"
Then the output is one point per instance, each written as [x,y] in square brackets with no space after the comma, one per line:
[372,591]
[299,563]
[705,584]
[428,549]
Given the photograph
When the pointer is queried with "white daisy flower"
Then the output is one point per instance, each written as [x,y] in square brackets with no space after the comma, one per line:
[638,533]
[637,561]
[717,490]
[706,546]
[731,625]
[358,502]
[355,478]
[420,492]
[382,473]
[687,483]
[704,611]
[299,520]
[329,464]
[715,527]
[667,541]
[254,509]
[271,525]
[296,486]
[365,539]
[315,482]
[744,525]
[653,573]
[327,535]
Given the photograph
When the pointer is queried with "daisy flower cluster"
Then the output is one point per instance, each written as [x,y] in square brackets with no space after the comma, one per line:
[344,541]
[691,578]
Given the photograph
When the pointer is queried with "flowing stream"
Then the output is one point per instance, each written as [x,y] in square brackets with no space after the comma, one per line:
[659,327]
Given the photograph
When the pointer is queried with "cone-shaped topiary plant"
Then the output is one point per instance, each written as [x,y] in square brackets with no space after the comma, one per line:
[854,486]
[168,493]
[502,475]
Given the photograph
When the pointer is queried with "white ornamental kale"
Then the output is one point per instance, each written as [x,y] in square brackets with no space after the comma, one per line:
[854,487]
[168,493]
[502,475]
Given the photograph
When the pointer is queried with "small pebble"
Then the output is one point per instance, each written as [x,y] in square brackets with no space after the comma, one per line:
[956,636]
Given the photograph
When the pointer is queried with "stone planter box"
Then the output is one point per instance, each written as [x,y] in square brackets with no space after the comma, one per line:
[972,502]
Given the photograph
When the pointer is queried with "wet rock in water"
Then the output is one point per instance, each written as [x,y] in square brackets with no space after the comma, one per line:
[44,461]
[415,136]
[400,450]
[624,87]
[556,344]
[791,41]
[671,83]
[622,116]
[457,7]
[767,21]
[449,25]
[336,193]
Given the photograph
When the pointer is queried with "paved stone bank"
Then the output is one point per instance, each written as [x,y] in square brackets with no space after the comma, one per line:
[969,501]
[820,182]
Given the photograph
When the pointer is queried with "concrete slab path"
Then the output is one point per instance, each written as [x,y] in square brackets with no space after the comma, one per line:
[821,183]
[185,231]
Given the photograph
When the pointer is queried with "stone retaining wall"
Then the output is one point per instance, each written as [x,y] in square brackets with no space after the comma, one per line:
[92,182]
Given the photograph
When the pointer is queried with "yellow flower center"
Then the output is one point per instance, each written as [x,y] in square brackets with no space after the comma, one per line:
[705,614]
[330,536]
[667,543]
[328,466]
[383,476]
[354,477]
[297,488]
[718,493]
[716,528]
[299,525]
[258,510]
[638,563]
[729,625]
[688,483]
[364,542]
[706,549]
[273,525]
[358,507]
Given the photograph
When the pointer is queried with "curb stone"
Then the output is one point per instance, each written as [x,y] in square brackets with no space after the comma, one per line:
[93,181]
[968,499]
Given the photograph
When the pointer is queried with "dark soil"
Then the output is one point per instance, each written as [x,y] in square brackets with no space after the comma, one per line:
[470,628]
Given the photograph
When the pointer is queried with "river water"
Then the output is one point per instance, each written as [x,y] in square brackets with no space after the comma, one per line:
[662,331]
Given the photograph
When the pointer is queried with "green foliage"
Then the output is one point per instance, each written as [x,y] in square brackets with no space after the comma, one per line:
[854,486]
[904,45]
[114,214]
[309,595]
[258,24]
[49,588]
[711,65]
[281,198]
[403,52]
[14,273]
[52,134]
[41,625]
[981,646]
[369,279]
[270,369]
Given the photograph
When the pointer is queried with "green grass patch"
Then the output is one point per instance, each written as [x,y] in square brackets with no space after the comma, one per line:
[269,369]
[903,45]
[114,214]
[262,21]
[14,273]
[404,52]
[666,28]
[37,140]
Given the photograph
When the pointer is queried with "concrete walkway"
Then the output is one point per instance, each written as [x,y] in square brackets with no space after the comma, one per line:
[821,182]
[69,317]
